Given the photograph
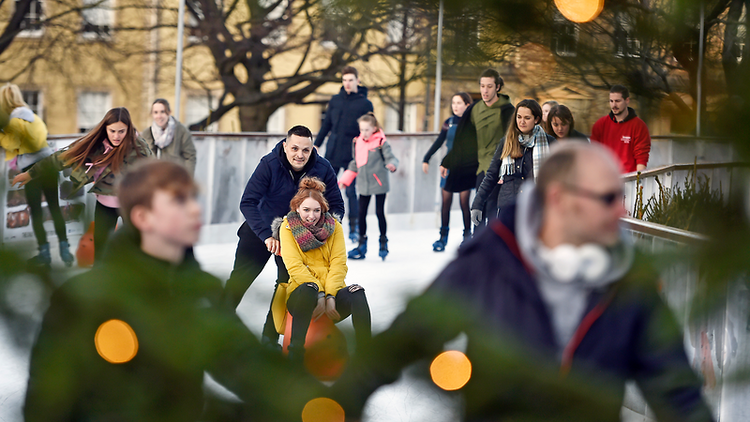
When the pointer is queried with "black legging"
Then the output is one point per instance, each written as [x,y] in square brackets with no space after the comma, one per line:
[364,203]
[350,300]
[445,213]
[47,184]
[105,221]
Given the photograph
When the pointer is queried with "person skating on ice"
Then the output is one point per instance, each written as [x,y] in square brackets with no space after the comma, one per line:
[450,182]
[101,156]
[24,140]
[373,160]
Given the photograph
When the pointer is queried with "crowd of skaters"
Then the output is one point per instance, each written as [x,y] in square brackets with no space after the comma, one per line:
[562,238]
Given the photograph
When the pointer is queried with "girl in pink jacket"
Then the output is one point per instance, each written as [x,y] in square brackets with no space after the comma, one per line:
[373,161]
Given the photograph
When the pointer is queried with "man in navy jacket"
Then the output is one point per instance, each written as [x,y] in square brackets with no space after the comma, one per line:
[267,195]
[344,109]
[558,308]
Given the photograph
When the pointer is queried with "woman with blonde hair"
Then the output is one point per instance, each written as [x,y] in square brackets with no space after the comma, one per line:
[525,146]
[101,156]
[24,139]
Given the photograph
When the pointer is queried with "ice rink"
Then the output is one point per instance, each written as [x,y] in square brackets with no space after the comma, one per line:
[408,269]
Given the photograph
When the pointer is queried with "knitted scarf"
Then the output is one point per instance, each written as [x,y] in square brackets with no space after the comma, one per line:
[163,137]
[310,237]
[538,141]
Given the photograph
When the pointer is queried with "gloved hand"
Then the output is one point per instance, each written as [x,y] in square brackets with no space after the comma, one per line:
[476,217]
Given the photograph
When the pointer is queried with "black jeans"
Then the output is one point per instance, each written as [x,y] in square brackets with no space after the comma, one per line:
[351,196]
[249,259]
[47,184]
[490,207]
[105,221]
[364,203]
[350,300]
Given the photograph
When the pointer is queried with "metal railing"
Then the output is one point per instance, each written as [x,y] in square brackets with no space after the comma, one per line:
[723,176]
[717,344]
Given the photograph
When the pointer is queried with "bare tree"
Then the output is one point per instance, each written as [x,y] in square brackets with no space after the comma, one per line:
[278,52]
[651,45]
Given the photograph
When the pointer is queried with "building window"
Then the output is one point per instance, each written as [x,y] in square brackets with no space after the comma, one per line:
[92,106]
[627,45]
[98,19]
[34,100]
[197,107]
[276,20]
[564,37]
[333,26]
[32,20]
[192,24]
[400,30]
[738,50]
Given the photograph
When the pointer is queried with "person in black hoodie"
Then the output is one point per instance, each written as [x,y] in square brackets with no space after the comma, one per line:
[344,109]
[479,134]
[130,340]
[267,194]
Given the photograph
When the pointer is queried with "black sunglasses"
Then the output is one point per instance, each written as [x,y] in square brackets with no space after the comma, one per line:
[607,199]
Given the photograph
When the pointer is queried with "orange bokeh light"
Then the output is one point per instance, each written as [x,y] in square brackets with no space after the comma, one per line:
[450,370]
[580,11]
[116,341]
[322,410]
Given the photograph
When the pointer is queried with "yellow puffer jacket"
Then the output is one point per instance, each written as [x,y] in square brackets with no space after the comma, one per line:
[23,137]
[324,266]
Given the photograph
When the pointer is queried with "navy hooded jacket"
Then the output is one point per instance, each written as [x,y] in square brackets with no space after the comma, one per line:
[341,121]
[489,293]
[273,185]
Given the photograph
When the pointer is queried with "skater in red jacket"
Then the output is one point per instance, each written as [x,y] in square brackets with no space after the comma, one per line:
[623,132]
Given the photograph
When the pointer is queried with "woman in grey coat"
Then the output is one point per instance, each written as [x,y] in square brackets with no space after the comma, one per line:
[373,160]
[168,138]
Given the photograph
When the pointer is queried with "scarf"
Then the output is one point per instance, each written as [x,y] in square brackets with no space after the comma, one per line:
[163,137]
[538,141]
[362,147]
[310,237]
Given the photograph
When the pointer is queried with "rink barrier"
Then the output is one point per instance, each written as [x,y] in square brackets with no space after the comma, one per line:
[225,162]
[717,344]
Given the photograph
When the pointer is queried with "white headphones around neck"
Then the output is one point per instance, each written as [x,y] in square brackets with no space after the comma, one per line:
[567,263]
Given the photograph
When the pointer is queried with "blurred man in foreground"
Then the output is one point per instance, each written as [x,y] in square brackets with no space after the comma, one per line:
[558,308]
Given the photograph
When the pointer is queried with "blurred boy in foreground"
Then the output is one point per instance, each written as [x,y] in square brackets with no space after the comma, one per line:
[130,340]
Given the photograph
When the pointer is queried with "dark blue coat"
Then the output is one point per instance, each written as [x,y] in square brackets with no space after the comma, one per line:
[490,294]
[341,121]
[512,184]
[272,186]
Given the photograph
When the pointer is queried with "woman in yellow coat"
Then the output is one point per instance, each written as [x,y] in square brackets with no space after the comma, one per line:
[24,139]
[314,253]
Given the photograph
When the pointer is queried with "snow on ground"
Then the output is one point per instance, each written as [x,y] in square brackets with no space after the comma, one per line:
[389,284]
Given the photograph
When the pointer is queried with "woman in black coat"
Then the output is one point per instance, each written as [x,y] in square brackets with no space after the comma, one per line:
[516,159]
[561,125]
